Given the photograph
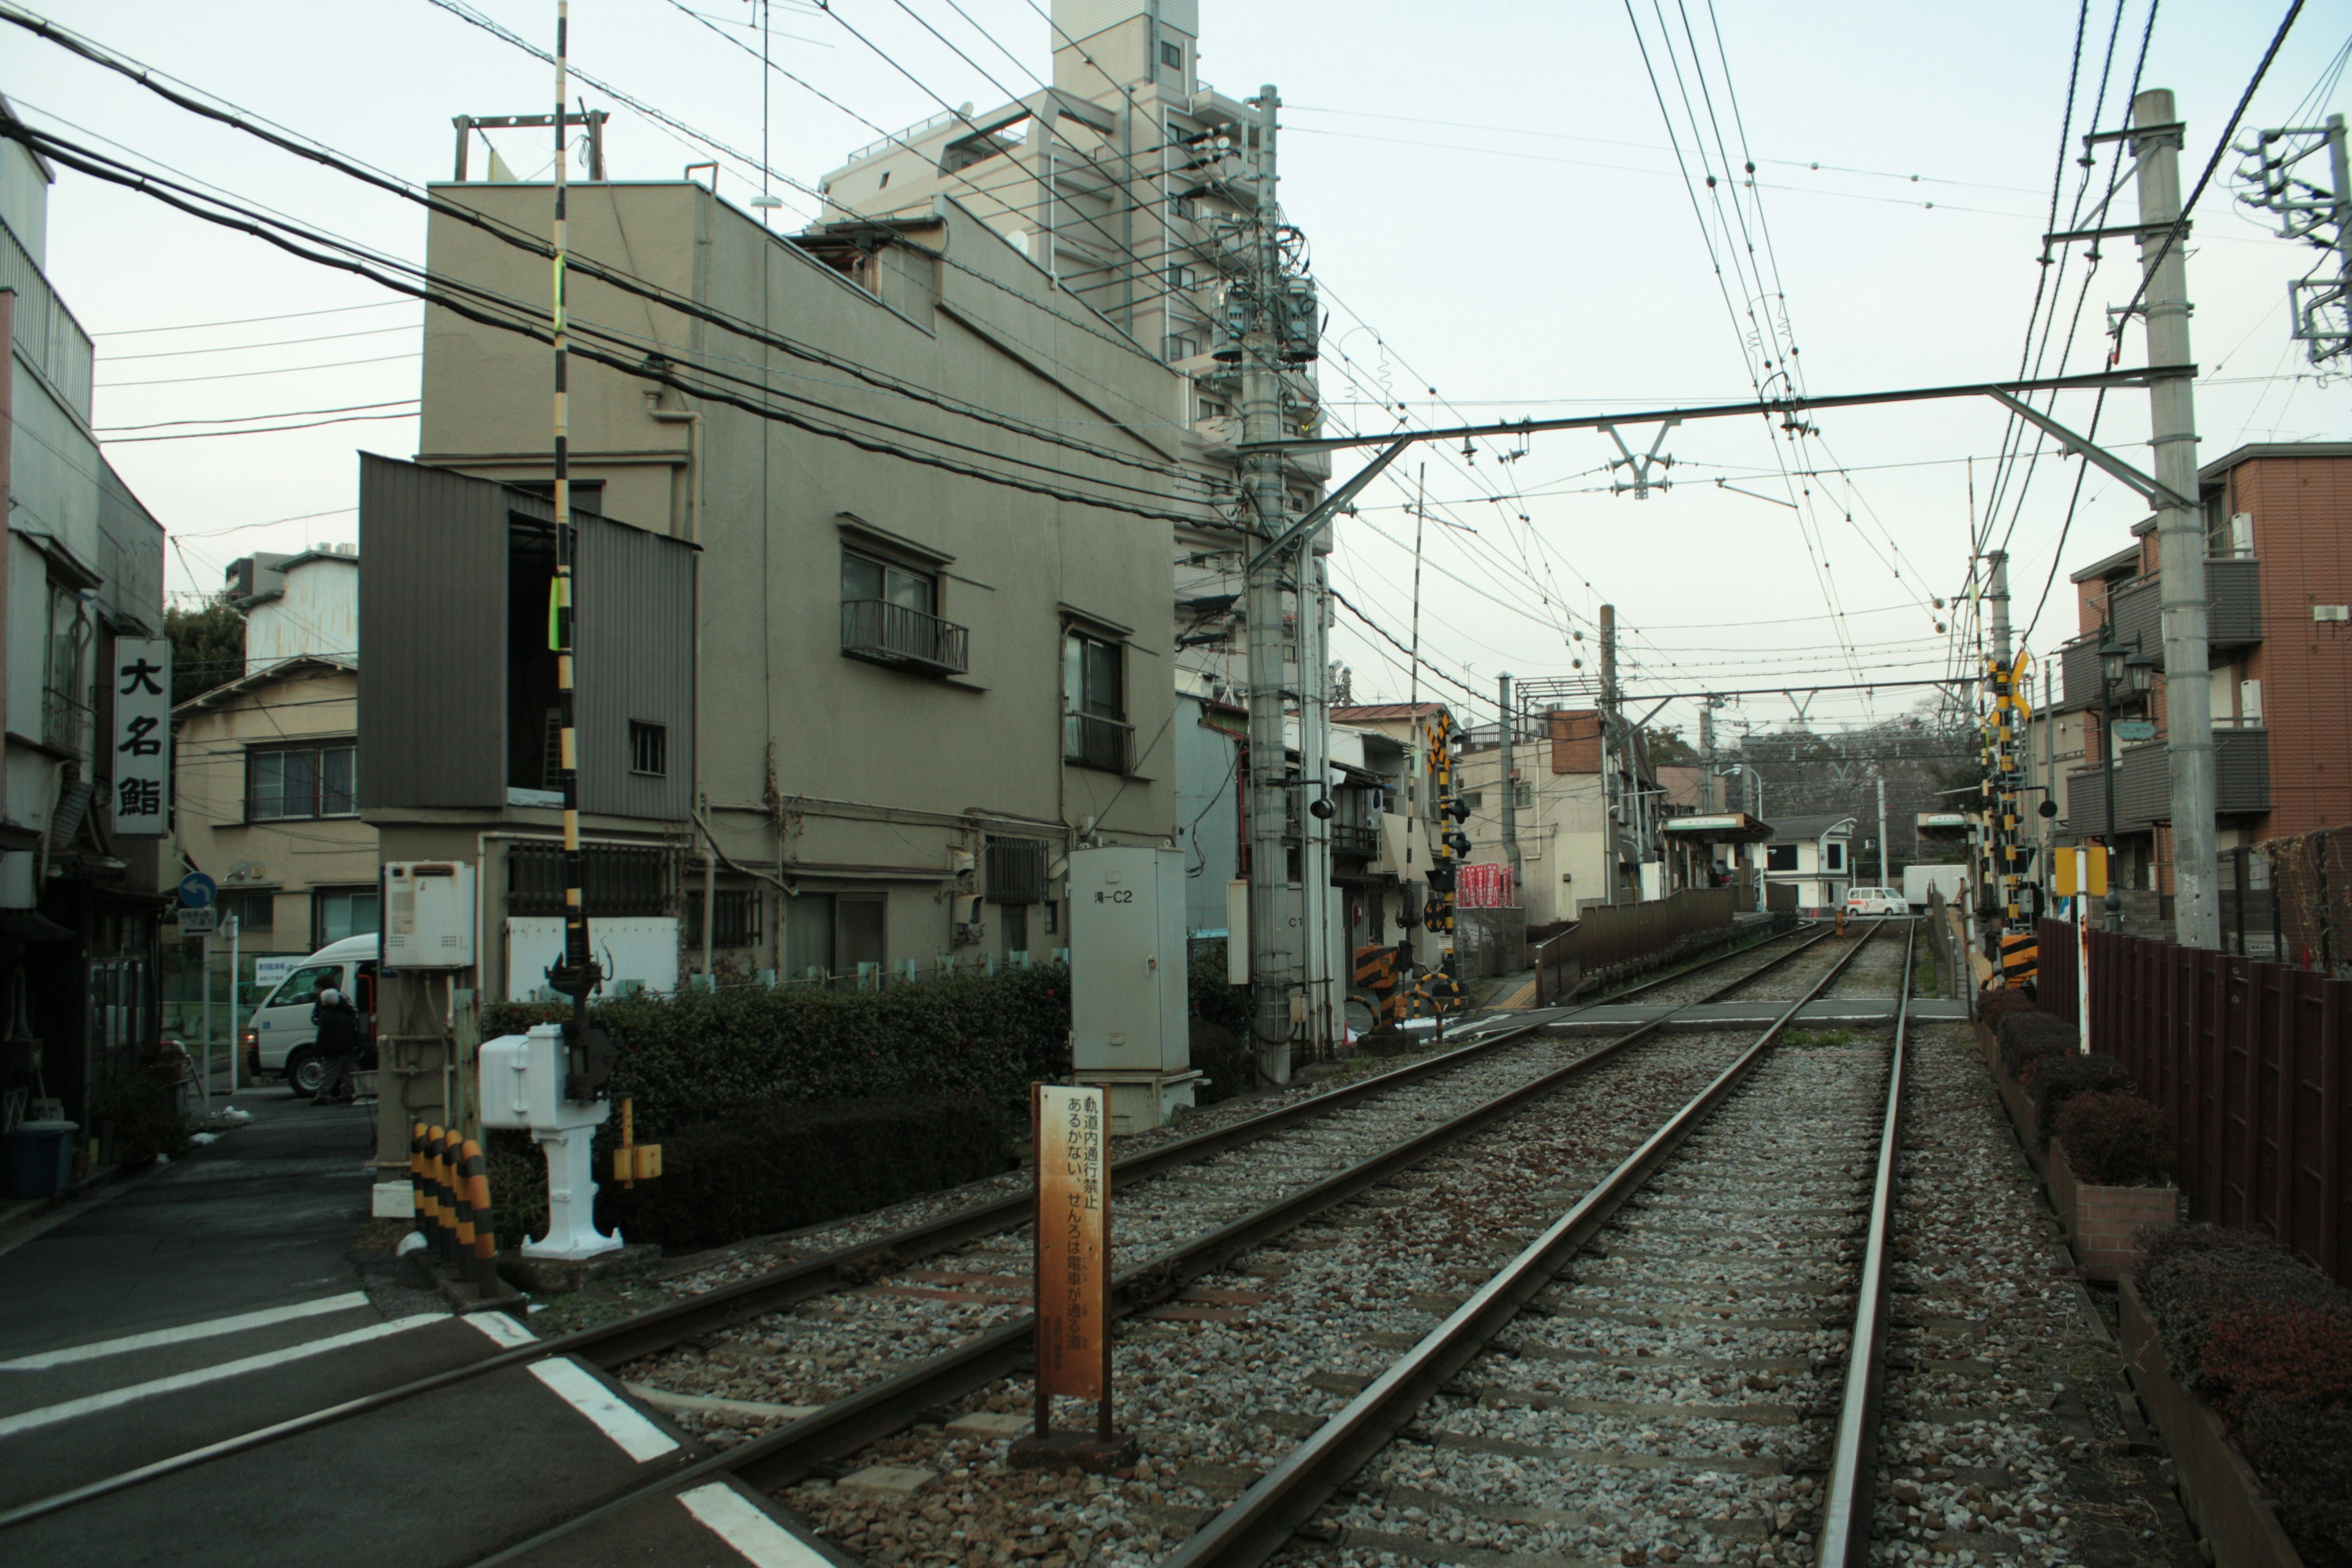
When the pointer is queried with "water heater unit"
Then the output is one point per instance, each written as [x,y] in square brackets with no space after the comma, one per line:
[429,914]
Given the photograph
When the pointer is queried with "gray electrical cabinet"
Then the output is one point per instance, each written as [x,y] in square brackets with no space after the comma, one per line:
[1129,1028]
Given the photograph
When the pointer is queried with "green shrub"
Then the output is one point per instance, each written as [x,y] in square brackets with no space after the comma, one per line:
[2059,1078]
[2115,1140]
[785,1165]
[138,1114]
[1992,1006]
[2269,1340]
[2027,1037]
[1227,1063]
[706,1056]
[1221,1028]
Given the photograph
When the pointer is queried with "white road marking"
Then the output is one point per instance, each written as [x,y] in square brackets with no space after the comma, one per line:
[503,1331]
[728,1515]
[44,1360]
[638,1437]
[48,1415]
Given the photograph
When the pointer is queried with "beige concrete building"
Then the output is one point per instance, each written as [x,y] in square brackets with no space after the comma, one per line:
[267,803]
[854,679]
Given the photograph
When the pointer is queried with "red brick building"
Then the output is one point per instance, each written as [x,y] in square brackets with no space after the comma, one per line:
[2278,540]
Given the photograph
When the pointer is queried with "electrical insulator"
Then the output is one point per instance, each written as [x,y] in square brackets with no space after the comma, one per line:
[1239,318]
[1300,321]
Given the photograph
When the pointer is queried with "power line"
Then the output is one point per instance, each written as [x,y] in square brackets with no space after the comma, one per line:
[247,374]
[241,348]
[250,321]
[287,413]
[256,430]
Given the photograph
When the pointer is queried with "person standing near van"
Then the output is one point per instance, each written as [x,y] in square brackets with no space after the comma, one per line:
[338,1023]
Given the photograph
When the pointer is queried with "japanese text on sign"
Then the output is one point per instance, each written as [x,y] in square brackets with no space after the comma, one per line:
[1072,1239]
[139,749]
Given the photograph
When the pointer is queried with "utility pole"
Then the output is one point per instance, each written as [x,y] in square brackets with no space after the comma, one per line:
[2180,541]
[1274,975]
[1709,799]
[1311,631]
[1608,751]
[1510,783]
[1881,832]
[577,975]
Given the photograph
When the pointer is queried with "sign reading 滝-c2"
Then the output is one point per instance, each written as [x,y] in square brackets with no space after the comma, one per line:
[140,747]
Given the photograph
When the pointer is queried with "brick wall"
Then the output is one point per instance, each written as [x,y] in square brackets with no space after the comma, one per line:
[2302,508]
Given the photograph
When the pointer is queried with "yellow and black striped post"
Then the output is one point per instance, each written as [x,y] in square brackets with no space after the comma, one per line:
[420,1198]
[436,1180]
[484,1256]
[2021,957]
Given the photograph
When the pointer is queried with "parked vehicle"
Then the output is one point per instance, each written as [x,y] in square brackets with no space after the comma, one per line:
[1918,880]
[279,1040]
[1875,902]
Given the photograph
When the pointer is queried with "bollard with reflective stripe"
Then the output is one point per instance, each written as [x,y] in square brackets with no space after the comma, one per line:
[485,1263]
[420,1194]
[2021,957]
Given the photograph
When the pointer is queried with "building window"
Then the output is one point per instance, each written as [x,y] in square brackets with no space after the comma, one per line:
[1834,856]
[1523,795]
[884,184]
[1095,733]
[736,917]
[648,748]
[253,908]
[889,615]
[339,912]
[616,879]
[1017,870]
[827,936]
[1472,799]
[286,783]
[1179,276]
[1171,55]
[1779,856]
[1181,345]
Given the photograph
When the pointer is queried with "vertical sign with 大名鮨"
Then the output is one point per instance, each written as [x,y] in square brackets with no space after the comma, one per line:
[1073,1270]
[140,746]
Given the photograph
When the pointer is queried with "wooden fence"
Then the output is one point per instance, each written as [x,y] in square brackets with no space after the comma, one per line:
[2248,1062]
[1618,933]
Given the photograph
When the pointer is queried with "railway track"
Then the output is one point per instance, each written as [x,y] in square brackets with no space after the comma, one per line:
[1335,1127]
[1185,1303]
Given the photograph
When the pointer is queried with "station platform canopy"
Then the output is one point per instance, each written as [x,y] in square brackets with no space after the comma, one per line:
[1943,824]
[1722,827]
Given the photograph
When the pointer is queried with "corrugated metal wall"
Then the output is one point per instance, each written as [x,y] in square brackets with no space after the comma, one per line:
[433,636]
[637,662]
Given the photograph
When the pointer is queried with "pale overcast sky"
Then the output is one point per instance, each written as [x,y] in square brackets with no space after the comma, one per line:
[1494,213]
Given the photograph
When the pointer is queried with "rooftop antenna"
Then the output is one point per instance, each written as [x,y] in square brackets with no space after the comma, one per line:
[765,201]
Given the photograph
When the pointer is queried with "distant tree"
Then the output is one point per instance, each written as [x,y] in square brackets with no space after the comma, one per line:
[1667,747]
[207,646]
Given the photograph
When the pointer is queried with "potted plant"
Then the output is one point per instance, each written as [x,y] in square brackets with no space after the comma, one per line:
[2108,1169]
[2242,1355]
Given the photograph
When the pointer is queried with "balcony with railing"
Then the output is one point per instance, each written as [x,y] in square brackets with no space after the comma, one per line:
[1091,741]
[64,722]
[1356,839]
[2242,782]
[883,633]
[2233,618]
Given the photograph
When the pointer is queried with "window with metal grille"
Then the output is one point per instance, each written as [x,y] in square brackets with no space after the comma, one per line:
[255,909]
[1017,870]
[616,880]
[1094,702]
[736,917]
[648,748]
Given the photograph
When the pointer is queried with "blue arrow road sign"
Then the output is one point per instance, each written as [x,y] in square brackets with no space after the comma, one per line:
[197,890]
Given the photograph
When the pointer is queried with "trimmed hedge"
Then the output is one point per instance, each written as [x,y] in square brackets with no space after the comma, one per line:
[785,1165]
[2268,1341]
[706,1056]
[2057,1079]
[1993,1005]
[2115,1140]
[2026,1038]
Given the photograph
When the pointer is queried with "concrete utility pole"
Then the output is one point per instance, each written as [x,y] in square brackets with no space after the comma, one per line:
[1710,797]
[2180,541]
[1311,632]
[1510,783]
[1274,975]
[1997,598]
[1881,832]
[1608,751]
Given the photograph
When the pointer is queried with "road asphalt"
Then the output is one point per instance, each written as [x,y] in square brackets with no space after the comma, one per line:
[224,1293]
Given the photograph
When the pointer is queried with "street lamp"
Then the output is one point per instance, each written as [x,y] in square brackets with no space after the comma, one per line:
[1737,768]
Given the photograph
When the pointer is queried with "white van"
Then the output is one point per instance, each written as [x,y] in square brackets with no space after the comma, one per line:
[277,1039]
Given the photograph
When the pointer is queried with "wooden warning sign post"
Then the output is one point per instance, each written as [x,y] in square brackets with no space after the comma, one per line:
[1072,1278]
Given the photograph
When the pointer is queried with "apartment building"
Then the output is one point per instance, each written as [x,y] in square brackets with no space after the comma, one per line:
[1588,817]
[850,686]
[2278,542]
[85,792]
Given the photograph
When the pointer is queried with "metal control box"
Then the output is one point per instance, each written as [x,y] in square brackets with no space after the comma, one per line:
[1130,1024]
[429,914]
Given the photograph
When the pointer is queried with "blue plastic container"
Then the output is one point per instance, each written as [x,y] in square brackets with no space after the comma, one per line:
[37,1158]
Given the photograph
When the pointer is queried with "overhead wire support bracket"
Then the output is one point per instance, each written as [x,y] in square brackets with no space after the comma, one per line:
[2148,488]
[1330,505]
[1640,462]
[2119,231]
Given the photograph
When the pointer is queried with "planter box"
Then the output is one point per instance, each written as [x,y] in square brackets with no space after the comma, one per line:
[2218,1488]
[2102,1221]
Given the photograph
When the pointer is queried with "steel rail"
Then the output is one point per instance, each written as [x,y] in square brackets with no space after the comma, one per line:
[1843,1538]
[793,1452]
[1263,1520]
[645,1333]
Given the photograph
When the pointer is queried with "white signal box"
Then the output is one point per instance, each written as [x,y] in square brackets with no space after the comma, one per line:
[1129,1019]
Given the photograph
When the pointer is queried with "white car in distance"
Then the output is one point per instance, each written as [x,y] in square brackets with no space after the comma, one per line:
[1876,901]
